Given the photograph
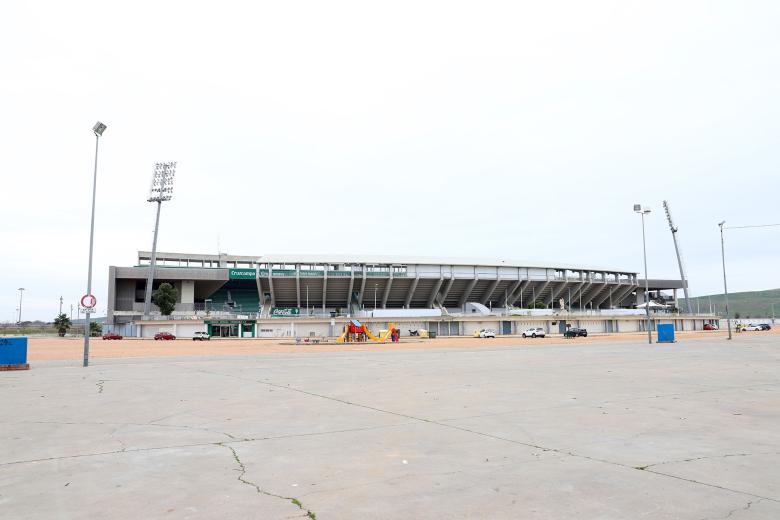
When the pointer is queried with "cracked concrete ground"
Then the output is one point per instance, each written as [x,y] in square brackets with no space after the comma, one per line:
[607,431]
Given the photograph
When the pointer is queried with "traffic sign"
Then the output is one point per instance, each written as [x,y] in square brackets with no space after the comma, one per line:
[88,301]
[86,310]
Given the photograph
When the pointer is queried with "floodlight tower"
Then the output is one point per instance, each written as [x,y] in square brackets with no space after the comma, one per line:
[161,190]
[674,228]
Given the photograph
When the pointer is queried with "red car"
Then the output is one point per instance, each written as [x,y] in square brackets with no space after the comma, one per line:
[111,335]
[709,326]
[164,335]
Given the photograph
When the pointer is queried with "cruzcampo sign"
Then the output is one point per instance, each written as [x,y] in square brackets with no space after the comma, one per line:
[241,274]
[278,312]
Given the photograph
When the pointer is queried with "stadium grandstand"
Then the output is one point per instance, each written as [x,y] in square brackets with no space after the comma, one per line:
[233,295]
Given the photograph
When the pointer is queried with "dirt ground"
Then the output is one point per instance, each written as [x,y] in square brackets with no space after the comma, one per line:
[54,348]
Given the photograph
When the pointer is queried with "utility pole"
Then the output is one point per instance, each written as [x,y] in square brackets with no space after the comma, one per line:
[60,305]
[684,280]
[725,287]
[160,191]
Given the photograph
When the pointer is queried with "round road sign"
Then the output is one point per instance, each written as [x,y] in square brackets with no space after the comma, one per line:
[88,301]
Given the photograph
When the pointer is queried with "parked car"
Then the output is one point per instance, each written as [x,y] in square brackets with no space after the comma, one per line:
[201,336]
[537,332]
[710,326]
[164,335]
[574,332]
[111,335]
[752,327]
[487,333]
[765,326]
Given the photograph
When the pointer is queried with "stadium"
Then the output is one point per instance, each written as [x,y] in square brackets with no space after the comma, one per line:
[308,295]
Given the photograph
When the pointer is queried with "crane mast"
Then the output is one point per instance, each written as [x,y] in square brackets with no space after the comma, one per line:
[673,228]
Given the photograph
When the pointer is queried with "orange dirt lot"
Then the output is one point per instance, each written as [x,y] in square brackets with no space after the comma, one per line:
[53,348]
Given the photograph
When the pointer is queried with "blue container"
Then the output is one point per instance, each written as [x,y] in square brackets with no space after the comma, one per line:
[13,351]
[665,333]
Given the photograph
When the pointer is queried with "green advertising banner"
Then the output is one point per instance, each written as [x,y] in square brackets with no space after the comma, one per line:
[277,312]
[241,274]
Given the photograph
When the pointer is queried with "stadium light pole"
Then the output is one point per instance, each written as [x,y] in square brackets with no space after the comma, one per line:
[21,291]
[644,211]
[160,191]
[725,286]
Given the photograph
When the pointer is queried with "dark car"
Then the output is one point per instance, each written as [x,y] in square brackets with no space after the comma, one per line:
[765,326]
[164,335]
[111,335]
[573,332]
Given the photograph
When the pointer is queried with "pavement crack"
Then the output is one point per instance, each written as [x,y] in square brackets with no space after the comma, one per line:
[743,508]
[308,513]
[706,457]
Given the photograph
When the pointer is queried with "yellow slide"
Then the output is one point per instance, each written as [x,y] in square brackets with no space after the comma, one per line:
[381,339]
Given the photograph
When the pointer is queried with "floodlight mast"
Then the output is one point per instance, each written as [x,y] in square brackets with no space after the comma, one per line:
[161,190]
[674,229]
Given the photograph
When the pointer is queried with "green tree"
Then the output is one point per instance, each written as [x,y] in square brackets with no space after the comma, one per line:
[737,315]
[95,328]
[62,323]
[165,298]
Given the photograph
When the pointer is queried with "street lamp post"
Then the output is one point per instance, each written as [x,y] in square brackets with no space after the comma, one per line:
[376,286]
[308,311]
[725,287]
[98,129]
[644,211]
[21,291]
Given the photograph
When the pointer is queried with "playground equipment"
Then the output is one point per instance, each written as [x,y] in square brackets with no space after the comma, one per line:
[354,331]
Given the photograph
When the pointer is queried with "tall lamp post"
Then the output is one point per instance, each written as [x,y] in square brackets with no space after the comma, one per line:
[161,190]
[644,211]
[725,287]
[98,129]
[21,291]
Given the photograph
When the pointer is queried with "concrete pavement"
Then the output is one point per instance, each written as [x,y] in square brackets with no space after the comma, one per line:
[690,430]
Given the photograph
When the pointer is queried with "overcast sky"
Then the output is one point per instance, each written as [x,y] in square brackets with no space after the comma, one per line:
[517,130]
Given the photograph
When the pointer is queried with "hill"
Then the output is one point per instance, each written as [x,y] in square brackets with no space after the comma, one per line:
[752,304]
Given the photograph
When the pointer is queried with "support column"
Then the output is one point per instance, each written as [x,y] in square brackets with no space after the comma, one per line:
[410,294]
[434,292]
[298,284]
[325,288]
[388,286]
[271,287]
[349,292]
[467,292]
[513,290]
[362,289]
[447,288]
[492,287]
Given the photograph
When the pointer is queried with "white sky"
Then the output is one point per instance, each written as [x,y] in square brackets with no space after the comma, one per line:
[519,130]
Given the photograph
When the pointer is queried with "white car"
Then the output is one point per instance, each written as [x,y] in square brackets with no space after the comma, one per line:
[754,327]
[537,332]
[487,333]
[201,336]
